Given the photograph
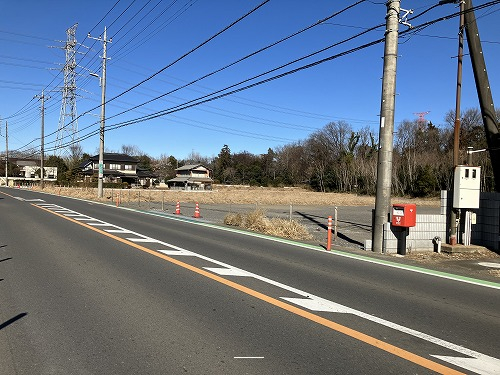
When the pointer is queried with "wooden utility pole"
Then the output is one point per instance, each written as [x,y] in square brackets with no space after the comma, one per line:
[454,215]
[384,167]
[483,91]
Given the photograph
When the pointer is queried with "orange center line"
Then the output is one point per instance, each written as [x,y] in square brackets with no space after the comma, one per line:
[399,352]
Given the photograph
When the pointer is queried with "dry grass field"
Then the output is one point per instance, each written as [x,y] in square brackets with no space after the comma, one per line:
[235,195]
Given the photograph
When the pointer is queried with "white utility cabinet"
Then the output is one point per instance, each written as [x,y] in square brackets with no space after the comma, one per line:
[466,187]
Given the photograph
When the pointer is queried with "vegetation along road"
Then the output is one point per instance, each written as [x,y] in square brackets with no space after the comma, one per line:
[87,288]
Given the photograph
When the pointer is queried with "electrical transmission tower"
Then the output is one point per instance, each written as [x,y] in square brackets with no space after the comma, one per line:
[68,125]
[421,117]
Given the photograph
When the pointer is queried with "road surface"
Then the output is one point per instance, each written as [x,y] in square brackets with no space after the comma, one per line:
[87,288]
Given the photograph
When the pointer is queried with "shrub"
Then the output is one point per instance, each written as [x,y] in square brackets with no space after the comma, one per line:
[258,222]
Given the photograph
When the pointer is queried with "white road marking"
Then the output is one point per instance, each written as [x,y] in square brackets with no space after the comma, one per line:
[145,240]
[317,305]
[479,363]
[228,271]
[489,264]
[248,357]
[178,252]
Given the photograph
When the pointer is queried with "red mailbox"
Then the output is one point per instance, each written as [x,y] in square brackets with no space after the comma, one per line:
[404,215]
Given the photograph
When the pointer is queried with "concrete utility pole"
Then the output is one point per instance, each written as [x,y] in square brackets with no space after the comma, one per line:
[103,101]
[42,138]
[456,136]
[6,154]
[384,167]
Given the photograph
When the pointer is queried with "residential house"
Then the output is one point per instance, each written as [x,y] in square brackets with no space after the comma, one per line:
[28,171]
[191,177]
[118,168]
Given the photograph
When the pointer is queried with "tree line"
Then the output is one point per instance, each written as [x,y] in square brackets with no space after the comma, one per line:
[338,158]
[335,158]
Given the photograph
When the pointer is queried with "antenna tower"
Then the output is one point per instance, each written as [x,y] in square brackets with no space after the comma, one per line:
[68,126]
[421,117]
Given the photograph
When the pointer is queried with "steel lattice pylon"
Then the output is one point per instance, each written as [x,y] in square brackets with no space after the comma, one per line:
[68,125]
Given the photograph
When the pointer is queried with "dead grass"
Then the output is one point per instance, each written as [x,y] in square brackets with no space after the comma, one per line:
[258,222]
[444,257]
[236,195]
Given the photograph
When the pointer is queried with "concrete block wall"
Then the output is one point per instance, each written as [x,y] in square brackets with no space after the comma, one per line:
[420,237]
[486,231]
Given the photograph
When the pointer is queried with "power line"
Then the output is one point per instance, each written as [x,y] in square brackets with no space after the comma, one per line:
[212,97]
[263,49]
[192,50]
[179,58]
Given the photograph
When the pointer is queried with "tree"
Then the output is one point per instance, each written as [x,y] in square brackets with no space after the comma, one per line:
[164,166]
[222,162]
[62,168]
[76,153]
[131,150]
[145,162]
[292,164]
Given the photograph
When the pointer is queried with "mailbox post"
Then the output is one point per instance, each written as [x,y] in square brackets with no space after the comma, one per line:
[404,216]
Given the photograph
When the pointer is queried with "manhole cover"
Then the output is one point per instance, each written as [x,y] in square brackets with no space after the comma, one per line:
[490,265]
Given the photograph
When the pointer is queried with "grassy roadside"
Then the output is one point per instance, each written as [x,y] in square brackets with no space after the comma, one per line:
[236,195]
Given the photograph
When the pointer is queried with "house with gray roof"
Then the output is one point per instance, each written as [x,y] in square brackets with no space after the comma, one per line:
[191,177]
[118,168]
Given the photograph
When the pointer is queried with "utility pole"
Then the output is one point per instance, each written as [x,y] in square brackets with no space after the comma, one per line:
[42,138]
[483,90]
[6,154]
[103,101]
[454,214]
[384,167]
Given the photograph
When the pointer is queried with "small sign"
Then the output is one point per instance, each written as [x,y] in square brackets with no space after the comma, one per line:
[101,170]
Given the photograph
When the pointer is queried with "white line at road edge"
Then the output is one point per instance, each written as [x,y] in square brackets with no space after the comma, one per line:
[363,258]
[478,362]
[425,271]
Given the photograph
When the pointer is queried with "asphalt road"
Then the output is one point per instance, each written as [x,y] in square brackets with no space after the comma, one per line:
[354,223]
[91,289]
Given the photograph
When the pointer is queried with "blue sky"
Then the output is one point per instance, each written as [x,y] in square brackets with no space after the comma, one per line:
[269,115]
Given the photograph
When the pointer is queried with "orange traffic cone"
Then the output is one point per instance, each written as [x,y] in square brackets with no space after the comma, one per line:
[178,208]
[197,211]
